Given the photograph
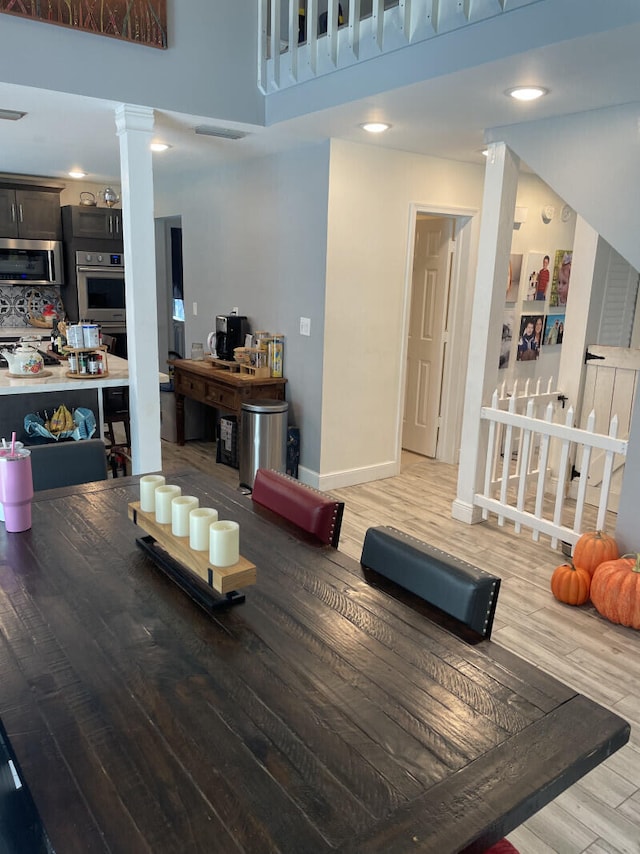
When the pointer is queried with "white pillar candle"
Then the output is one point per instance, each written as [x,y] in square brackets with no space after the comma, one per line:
[224,543]
[199,521]
[164,497]
[180,509]
[148,485]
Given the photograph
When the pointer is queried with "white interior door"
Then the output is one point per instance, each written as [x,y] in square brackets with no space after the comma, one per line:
[427,333]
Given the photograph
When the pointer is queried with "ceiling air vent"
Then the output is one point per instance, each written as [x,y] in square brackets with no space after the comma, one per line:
[12,115]
[223,133]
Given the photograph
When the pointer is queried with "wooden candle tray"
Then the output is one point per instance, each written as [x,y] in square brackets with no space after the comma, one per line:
[190,569]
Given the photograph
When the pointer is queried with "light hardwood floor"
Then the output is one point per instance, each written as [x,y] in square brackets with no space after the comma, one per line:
[601,813]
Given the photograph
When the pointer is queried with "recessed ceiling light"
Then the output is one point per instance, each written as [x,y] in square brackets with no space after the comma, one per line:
[527,93]
[159,146]
[11,115]
[76,173]
[375,127]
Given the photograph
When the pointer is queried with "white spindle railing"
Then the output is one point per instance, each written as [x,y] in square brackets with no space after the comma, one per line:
[520,495]
[370,28]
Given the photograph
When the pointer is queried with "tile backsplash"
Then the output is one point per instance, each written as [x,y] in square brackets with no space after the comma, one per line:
[16,302]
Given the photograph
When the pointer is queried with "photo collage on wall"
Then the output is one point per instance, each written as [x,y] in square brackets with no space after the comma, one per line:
[539,286]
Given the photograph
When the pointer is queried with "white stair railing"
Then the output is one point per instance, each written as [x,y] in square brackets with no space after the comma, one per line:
[524,494]
[293,48]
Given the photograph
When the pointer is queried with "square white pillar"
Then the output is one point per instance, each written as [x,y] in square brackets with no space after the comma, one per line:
[496,232]
[135,128]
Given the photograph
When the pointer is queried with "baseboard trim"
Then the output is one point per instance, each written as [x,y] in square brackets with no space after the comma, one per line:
[464,512]
[350,477]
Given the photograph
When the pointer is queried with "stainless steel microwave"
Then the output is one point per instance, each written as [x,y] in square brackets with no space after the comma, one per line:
[30,262]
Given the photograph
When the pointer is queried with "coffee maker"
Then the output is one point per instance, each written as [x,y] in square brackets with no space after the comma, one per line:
[230,332]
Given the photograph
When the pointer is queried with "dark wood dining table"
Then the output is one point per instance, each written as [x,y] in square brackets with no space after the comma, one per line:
[322,714]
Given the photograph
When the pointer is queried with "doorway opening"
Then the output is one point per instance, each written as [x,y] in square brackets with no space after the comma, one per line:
[170,288]
[177,290]
[433,251]
[437,325]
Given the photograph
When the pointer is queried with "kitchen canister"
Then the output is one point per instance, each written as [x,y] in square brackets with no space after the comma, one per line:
[90,335]
[75,336]
[276,353]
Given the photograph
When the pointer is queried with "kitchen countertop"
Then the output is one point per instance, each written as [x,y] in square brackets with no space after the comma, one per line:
[24,331]
[57,379]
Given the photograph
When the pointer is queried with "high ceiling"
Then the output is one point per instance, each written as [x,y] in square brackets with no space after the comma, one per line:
[445,116]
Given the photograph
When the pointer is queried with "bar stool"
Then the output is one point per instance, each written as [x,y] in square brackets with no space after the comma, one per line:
[116,411]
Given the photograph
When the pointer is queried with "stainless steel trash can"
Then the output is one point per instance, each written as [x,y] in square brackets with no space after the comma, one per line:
[263,438]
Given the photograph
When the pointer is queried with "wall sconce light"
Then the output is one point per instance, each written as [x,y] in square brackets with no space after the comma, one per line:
[548,212]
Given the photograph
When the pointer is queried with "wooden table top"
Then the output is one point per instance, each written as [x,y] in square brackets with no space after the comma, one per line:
[206,369]
[322,714]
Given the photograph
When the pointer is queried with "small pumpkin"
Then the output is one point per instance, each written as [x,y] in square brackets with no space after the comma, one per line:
[570,584]
[592,549]
[615,590]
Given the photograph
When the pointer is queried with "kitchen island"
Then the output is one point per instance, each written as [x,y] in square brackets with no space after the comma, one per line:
[23,395]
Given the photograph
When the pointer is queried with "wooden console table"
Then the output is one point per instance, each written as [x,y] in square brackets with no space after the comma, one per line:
[219,389]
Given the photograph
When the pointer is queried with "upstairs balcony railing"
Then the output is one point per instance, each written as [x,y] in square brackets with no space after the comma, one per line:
[303,39]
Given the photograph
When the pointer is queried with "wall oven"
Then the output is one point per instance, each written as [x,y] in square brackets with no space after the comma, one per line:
[101,287]
[30,262]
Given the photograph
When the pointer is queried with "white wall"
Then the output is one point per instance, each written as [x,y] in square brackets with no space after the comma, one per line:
[208,69]
[254,236]
[371,191]
[537,236]
[267,234]
[591,159]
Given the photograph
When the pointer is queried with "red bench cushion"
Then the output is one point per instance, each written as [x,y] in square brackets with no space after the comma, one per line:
[304,506]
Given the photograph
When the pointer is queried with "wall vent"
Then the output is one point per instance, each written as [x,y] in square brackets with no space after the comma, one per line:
[12,115]
[223,133]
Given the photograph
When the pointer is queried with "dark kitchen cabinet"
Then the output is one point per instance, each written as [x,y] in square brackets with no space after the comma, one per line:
[93,222]
[32,214]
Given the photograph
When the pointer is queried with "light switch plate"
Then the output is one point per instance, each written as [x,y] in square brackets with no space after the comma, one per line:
[305,326]
[195,309]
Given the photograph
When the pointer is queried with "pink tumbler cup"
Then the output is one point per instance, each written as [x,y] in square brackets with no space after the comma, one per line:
[3,453]
[16,490]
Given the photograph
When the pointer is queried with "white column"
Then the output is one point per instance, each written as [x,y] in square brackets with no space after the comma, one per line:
[627,535]
[135,127]
[581,319]
[496,232]
[582,314]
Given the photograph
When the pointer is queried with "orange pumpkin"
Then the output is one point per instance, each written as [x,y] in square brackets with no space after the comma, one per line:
[615,590]
[592,549]
[570,584]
